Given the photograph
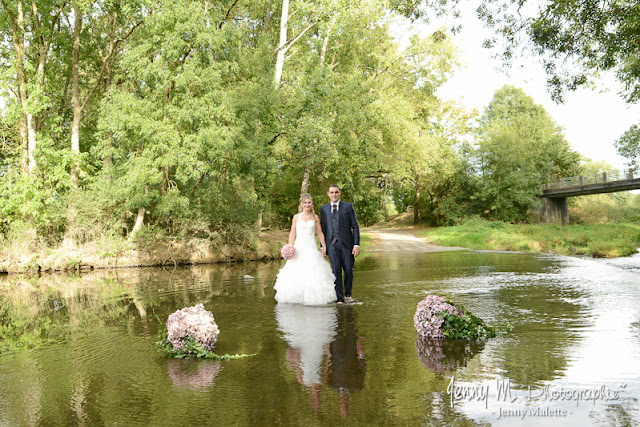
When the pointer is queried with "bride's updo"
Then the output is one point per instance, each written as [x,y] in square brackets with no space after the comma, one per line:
[304,197]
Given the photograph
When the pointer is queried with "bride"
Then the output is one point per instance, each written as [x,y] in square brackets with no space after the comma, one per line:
[306,278]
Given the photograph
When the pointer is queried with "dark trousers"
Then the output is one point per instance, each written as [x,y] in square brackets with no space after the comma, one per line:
[341,260]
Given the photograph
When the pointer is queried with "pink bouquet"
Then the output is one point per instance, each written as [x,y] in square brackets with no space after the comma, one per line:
[288,251]
[426,319]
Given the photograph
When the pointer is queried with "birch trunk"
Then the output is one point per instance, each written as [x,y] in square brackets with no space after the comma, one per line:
[283,41]
[304,188]
[325,41]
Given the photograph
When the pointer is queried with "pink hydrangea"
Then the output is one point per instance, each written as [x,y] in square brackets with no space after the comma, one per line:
[288,251]
[426,320]
[195,322]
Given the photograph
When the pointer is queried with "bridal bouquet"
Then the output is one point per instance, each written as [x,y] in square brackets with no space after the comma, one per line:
[288,251]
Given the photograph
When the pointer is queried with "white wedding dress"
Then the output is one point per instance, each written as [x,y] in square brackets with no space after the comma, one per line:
[306,278]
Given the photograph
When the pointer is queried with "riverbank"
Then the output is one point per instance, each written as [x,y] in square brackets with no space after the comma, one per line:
[599,240]
[138,253]
[596,240]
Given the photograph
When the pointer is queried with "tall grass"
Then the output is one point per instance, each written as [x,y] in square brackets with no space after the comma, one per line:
[597,240]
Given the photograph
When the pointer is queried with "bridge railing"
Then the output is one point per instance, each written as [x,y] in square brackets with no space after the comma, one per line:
[596,178]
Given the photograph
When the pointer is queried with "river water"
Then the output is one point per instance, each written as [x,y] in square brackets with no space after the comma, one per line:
[79,350]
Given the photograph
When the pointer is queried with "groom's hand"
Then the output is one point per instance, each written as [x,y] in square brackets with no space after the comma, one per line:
[356,251]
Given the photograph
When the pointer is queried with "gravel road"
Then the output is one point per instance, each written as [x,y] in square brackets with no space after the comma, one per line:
[398,240]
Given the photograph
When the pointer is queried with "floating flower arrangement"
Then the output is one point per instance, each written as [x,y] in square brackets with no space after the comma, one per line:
[436,317]
[191,332]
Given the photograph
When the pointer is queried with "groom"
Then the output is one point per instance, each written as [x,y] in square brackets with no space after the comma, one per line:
[340,228]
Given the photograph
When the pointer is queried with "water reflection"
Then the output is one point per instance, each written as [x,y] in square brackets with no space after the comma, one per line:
[547,326]
[444,355]
[79,349]
[325,349]
[308,330]
[346,365]
[38,311]
[193,374]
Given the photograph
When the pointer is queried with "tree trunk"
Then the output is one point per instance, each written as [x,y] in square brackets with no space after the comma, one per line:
[266,23]
[323,52]
[139,221]
[24,155]
[416,199]
[283,41]
[31,130]
[325,41]
[27,128]
[304,188]
[75,95]
[140,218]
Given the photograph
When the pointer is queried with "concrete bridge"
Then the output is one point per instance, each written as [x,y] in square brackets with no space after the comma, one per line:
[554,196]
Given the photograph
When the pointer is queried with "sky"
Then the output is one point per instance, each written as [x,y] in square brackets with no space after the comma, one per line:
[592,119]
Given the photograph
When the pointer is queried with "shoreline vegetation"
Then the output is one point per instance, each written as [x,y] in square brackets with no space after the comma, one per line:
[147,252]
[596,240]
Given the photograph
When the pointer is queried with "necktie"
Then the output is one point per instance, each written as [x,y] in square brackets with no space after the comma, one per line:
[334,223]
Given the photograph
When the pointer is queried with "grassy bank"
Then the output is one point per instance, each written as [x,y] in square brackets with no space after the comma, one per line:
[598,240]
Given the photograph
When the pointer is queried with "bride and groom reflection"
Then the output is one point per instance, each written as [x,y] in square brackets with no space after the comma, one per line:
[324,349]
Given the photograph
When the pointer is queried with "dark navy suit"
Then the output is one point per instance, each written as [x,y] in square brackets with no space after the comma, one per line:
[340,243]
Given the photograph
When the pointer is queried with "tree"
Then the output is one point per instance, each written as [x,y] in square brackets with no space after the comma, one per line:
[628,145]
[576,40]
[31,29]
[520,147]
[181,124]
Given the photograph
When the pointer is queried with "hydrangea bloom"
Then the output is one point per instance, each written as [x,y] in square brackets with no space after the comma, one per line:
[288,251]
[194,322]
[426,320]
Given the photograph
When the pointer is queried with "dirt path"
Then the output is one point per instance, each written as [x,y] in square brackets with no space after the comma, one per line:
[398,240]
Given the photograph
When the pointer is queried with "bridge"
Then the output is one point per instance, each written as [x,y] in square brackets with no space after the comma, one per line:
[554,195]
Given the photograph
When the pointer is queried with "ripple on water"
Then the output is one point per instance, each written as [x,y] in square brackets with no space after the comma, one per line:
[576,323]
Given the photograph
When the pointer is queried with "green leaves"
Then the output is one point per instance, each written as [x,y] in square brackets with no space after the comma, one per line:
[469,326]
[191,348]
[519,147]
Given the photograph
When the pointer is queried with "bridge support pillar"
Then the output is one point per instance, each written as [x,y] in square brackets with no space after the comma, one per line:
[554,210]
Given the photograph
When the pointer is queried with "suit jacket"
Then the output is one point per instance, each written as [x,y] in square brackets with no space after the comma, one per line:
[349,232]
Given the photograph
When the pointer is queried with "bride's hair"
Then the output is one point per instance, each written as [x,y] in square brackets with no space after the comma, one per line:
[304,197]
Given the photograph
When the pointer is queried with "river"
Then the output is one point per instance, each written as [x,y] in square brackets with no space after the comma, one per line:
[79,350]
